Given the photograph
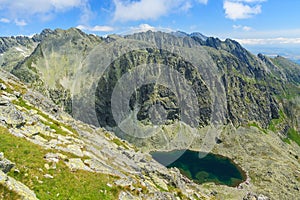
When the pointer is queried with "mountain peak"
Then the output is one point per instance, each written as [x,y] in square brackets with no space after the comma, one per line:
[194,34]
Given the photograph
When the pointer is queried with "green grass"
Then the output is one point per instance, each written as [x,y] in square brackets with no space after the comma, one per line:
[53,124]
[119,143]
[294,136]
[65,184]
[273,126]
[7,194]
[286,140]
[254,124]
[11,87]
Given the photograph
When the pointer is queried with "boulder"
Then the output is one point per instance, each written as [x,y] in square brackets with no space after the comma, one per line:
[77,164]
[75,149]
[3,86]
[10,115]
[16,186]
[5,165]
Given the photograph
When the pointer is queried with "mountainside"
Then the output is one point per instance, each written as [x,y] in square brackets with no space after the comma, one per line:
[15,49]
[158,91]
[56,156]
[251,82]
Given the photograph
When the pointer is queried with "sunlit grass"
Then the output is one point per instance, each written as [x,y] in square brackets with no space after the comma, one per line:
[29,159]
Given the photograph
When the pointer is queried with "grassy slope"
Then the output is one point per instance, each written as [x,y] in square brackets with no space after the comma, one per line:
[65,184]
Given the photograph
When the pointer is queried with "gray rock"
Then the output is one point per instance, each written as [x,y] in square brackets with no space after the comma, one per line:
[5,165]
[18,187]
[262,197]
[48,176]
[3,102]
[76,150]
[54,157]
[2,86]
[11,116]
[17,94]
[77,164]
[124,182]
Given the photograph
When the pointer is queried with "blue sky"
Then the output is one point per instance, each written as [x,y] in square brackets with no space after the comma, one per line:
[251,22]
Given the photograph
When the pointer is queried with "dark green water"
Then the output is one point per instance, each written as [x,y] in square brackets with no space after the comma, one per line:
[211,168]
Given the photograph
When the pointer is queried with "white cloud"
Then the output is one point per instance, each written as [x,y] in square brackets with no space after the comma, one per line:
[249,1]
[39,6]
[245,28]
[269,41]
[42,9]
[4,20]
[143,28]
[96,28]
[186,6]
[150,9]
[141,10]
[203,1]
[238,9]
[86,13]
[20,22]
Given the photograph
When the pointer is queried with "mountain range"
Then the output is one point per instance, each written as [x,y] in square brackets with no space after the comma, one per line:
[152,91]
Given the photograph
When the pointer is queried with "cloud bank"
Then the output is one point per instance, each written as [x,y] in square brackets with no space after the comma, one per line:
[269,41]
[95,28]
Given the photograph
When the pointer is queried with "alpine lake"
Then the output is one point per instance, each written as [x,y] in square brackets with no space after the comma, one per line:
[211,168]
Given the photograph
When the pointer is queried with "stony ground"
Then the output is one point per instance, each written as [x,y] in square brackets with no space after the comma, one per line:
[65,141]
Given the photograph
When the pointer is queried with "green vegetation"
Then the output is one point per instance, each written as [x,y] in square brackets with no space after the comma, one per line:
[20,102]
[53,124]
[65,184]
[119,143]
[273,126]
[293,135]
[11,87]
[254,124]
[7,194]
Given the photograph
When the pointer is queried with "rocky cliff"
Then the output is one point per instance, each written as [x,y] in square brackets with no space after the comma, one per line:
[64,58]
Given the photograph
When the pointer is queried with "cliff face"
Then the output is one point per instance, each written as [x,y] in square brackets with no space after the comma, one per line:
[251,82]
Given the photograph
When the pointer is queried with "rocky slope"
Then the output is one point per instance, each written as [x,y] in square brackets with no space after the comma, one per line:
[45,146]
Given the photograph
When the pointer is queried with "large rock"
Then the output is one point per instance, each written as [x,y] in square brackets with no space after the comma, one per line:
[5,165]
[3,86]
[11,116]
[16,186]
[77,164]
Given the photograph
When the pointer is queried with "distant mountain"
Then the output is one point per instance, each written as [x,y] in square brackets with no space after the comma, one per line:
[290,52]
[14,50]
[68,51]
[183,34]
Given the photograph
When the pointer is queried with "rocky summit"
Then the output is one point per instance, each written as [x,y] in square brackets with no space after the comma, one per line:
[80,113]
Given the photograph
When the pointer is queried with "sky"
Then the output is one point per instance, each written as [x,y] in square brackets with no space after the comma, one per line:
[261,24]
